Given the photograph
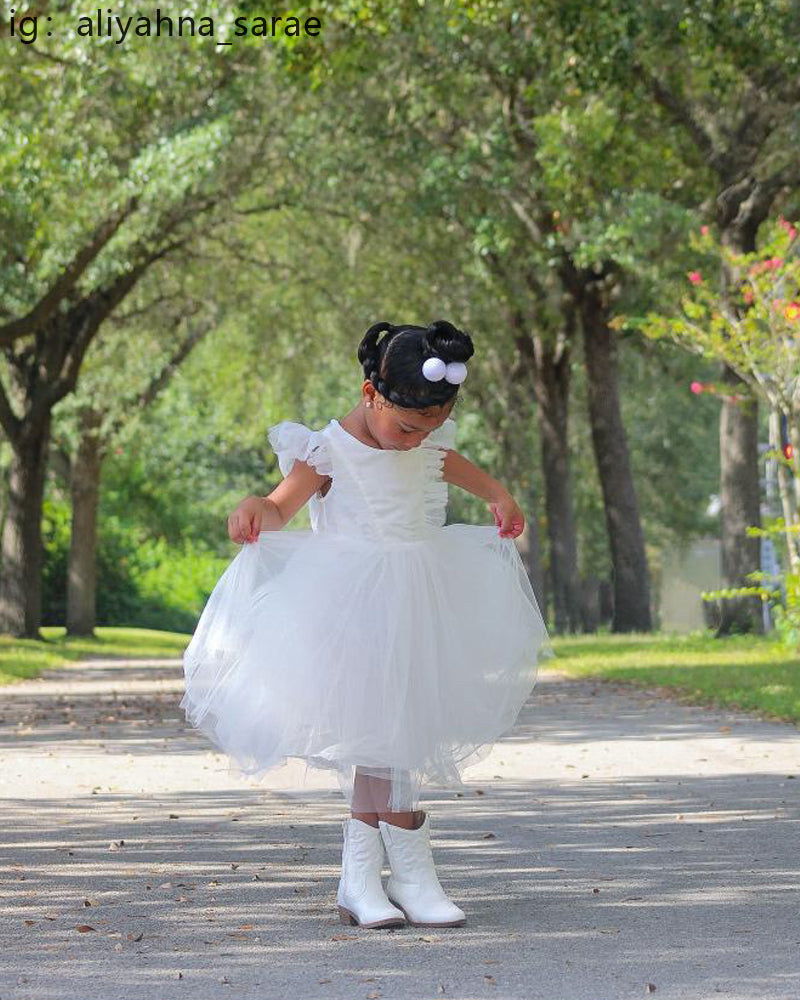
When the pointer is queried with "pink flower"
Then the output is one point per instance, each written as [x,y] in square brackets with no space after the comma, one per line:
[695,277]
[696,387]
[704,230]
[792,311]
[748,295]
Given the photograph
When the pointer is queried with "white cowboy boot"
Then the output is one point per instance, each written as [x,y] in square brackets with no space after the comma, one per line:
[360,895]
[413,884]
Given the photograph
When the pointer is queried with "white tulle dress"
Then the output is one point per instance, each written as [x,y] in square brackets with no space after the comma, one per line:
[382,642]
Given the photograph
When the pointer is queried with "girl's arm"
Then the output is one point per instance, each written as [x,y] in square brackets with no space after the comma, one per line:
[290,495]
[272,512]
[461,472]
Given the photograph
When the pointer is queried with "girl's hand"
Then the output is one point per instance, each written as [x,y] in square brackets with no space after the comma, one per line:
[244,523]
[508,516]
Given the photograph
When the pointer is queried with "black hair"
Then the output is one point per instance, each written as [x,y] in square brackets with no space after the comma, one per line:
[394,364]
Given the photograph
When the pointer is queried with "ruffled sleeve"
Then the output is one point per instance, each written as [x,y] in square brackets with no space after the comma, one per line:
[443,437]
[291,441]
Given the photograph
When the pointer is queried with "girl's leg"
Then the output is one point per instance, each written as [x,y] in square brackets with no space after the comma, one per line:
[362,806]
[371,797]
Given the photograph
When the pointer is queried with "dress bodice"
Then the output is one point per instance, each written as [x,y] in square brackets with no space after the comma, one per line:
[380,495]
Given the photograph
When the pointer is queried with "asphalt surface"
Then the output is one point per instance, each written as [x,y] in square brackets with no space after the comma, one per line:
[616,843]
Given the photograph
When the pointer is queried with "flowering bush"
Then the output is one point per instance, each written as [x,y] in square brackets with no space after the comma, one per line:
[747,314]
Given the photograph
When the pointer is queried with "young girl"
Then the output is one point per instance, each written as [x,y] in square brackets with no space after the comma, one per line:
[382,643]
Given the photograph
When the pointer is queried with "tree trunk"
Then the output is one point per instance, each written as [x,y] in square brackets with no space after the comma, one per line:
[551,378]
[794,441]
[790,509]
[590,603]
[741,554]
[84,488]
[629,561]
[22,549]
[738,457]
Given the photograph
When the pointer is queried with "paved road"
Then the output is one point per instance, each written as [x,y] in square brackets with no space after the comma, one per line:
[615,844]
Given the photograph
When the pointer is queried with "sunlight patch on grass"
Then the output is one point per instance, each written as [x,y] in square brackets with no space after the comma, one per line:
[750,672]
[23,658]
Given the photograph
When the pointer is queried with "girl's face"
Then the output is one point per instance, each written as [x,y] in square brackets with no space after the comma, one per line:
[395,427]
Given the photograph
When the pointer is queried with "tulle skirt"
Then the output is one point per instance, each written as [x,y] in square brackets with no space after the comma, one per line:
[393,664]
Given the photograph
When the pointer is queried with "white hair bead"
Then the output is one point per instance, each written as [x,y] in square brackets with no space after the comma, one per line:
[456,372]
[434,369]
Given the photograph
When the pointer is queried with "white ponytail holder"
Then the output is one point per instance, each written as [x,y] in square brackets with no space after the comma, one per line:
[434,369]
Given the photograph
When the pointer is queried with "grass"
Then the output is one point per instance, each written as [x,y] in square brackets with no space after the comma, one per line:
[23,658]
[754,673]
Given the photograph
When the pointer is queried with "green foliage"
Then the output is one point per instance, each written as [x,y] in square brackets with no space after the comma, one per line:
[140,581]
[753,325]
[783,594]
[787,613]
[400,176]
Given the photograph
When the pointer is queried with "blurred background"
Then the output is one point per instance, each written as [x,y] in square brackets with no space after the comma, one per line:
[200,221]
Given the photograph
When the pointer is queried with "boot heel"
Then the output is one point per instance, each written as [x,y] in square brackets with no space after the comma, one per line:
[346,917]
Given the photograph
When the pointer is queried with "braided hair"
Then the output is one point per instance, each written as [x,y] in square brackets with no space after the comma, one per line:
[394,364]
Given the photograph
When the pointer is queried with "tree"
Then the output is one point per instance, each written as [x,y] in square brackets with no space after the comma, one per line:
[168,153]
[757,335]
[726,75]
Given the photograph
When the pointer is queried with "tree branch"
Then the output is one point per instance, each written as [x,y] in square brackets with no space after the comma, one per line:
[47,305]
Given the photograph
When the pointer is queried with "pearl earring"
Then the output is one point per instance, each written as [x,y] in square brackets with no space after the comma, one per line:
[367,403]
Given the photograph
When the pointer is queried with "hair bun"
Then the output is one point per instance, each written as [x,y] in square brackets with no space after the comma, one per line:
[370,351]
[446,341]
